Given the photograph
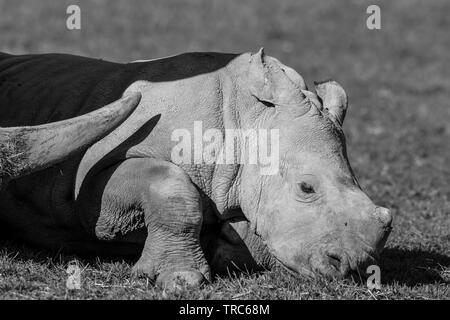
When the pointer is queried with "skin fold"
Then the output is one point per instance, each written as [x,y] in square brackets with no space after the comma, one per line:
[188,221]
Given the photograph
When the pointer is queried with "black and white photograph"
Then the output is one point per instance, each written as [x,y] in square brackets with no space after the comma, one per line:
[241,152]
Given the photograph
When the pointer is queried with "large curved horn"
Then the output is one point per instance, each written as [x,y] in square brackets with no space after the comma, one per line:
[334,98]
[27,149]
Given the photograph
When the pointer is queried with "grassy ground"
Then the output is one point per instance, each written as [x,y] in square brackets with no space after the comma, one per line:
[398,126]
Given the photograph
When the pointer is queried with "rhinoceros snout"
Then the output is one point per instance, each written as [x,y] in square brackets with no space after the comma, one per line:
[384,216]
[332,265]
[350,252]
[340,264]
[376,229]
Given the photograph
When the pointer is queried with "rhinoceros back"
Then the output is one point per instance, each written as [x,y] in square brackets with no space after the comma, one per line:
[38,89]
[43,88]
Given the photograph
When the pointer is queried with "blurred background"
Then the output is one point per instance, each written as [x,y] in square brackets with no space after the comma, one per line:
[397,79]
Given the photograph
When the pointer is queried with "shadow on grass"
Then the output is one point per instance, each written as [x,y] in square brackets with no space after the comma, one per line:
[399,266]
[24,252]
[412,267]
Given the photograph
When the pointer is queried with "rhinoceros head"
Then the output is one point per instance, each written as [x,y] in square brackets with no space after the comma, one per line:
[312,214]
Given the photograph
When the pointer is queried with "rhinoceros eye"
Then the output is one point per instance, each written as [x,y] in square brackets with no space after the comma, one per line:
[306,188]
[306,191]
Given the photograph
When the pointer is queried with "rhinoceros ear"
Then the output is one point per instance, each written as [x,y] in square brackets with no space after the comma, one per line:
[295,77]
[269,83]
[334,98]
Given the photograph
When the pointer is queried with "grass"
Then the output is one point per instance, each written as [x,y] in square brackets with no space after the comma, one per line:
[11,159]
[30,274]
[397,127]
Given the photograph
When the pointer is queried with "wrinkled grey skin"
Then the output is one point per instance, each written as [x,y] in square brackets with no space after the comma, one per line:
[126,196]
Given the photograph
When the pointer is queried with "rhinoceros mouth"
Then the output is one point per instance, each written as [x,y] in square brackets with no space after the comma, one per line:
[351,265]
[295,272]
[335,262]
[340,263]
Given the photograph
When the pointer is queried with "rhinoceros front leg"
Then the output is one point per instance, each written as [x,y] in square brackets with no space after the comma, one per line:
[173,217]
[171,208]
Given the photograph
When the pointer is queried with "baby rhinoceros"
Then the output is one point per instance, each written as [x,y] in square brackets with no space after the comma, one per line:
[148,189]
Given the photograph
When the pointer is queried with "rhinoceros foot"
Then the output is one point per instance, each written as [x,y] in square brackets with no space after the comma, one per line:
[171,267]
[176,280]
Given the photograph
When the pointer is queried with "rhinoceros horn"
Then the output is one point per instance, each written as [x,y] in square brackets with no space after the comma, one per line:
[334,98]
[275,86]
[27,149]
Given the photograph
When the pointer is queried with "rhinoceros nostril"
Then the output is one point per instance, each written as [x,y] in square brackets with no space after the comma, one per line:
[335,261]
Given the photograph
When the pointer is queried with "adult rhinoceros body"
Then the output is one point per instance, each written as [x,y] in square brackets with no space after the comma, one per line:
[125,195]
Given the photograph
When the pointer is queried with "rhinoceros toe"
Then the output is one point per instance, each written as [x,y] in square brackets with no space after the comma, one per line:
[175,280]
[142,270]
